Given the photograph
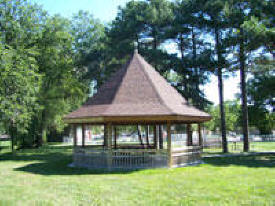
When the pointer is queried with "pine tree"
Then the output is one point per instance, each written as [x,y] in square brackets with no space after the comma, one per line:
[239,13]
[216,22]
[187,31]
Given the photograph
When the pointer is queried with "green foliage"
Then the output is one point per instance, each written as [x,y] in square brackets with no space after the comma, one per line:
[61,91]
[252,27]
[19,78]
[191,65]
[261,92]
[262,119]
[48,63]
[88,46]
[19,85]
[232,117]
[40,77]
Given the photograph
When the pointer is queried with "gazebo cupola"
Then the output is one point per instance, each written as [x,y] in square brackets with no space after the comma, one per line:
[139,96]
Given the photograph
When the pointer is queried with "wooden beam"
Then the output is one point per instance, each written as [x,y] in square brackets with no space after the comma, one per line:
[147,135]
[83,135]
[200,135]
[189,141]
[75,134]
[109,136]
[160,137]
[147,119]
[115,135]
[156,142]
[156,118]
[105,136]
[169,145]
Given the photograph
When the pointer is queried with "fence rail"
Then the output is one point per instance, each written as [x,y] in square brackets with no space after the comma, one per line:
[257,142]
[119,159]
[135,158]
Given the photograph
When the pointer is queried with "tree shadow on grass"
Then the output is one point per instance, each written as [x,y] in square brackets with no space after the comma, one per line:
[56,161]
[62,168]
[250,160]
[57,164]
[53,163]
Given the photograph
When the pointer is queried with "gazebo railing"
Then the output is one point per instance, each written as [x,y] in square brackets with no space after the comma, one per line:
[138,159]
[134,158]
[120,158]
[186,155]
[90,158]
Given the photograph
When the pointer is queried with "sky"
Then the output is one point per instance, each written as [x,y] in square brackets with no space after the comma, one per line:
[105,11]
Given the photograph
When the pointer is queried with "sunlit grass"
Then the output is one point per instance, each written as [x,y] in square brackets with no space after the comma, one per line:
[41,177]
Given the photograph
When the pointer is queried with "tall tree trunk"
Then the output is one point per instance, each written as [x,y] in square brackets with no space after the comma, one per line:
[181,46]
[12,134]
[12,143]
[196,68]
[244,95]
[43,138]
[137,42]
[44,135]
[220,85]
[222,113]
[194,48]
[155,45]
[184,79]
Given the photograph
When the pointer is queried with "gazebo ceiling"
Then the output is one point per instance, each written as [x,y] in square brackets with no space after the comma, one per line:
[136,93]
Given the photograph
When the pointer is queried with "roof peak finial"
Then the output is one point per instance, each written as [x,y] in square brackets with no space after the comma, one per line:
[136,47]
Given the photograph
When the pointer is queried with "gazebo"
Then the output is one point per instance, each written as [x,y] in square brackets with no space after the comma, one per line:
[135,95]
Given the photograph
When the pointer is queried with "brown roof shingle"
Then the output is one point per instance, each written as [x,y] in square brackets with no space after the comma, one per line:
[136,90]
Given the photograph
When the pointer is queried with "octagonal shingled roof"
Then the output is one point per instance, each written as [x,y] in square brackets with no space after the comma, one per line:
[137,90]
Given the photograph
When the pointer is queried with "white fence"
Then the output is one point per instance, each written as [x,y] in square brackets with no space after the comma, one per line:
[213,140]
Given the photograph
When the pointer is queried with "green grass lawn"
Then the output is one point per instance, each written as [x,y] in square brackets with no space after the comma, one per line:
[41,177]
